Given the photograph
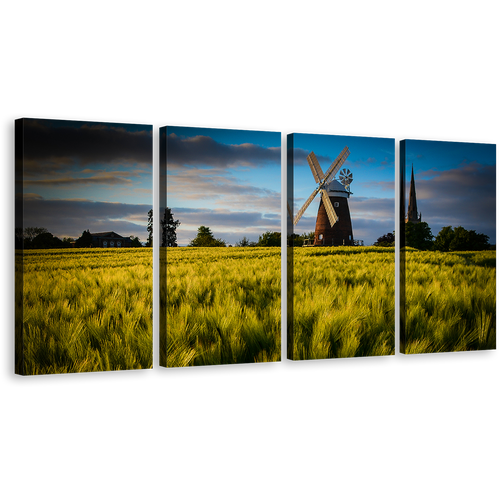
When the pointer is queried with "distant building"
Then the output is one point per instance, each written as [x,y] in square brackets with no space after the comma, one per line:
[412,215]
[110,239]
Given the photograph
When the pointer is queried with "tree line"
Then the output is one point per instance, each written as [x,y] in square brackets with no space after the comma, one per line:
[37,238]
[41,238]
[419,236]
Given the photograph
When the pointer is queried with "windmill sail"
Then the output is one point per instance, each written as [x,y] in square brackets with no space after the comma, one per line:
[337,164]
[323,179]
[305,205]
[316,169]
[330,211]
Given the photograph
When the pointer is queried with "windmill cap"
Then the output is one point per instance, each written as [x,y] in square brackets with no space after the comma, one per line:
[337,189]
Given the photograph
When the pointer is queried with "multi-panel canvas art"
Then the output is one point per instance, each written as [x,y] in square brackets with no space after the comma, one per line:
[84,246]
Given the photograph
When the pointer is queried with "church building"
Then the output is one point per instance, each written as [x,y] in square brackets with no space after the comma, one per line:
[412,215]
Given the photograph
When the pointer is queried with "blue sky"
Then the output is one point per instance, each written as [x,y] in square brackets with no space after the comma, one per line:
[455,184]
[230,180]
[98,176]
[371,162]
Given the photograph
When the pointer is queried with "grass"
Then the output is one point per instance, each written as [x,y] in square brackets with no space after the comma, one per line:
[86,310]
[91,309]
[450,301]
[343,302]
[220,306]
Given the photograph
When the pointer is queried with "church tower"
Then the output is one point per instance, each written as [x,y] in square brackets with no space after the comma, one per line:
[412,215]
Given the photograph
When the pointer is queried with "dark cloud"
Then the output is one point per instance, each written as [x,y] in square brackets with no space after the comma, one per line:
[71,217]
[52,145]
[203,150]
[300,158]
[78,181]
[464,196]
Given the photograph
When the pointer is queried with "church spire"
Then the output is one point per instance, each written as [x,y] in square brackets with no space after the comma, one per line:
[412,215]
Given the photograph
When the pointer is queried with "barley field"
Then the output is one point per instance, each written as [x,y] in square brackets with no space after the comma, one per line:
[91,309]
[450,301]
[343,302]
[220,306]
[85,310]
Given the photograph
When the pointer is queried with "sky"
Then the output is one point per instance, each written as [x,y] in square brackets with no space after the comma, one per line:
[371,161]
[98,176]
[87,175]
[230,180]
[455,183]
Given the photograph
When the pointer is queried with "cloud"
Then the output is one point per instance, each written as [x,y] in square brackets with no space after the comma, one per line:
[463,196]
[233,225]
[203,150]
[78,181]
[224,190]
[51,145]
[300,159]
[69,218]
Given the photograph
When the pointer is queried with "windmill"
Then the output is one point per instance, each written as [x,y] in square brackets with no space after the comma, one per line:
[333,223]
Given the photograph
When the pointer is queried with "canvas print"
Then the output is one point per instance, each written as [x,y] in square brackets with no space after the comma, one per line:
[448,246]
[220,266]
[83,239]
[341,251]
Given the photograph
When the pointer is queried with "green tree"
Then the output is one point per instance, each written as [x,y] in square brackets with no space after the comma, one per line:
[169,229]
[84,241]
[269,239]
[149,242]
[443,239]
[418,235]
[46,240]
[244,242]
[135,241]
[30,233]
[168,225]
[459,239]
[205,238]
[386,240]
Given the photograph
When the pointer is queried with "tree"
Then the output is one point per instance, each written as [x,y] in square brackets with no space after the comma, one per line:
[418,235]
[386,240]
[30,233]
[47,240]
[168,225]
[169,229]
[443,239]
[205,238]
[149,243]
[244,242]
[299,240]
[459,239]
[85,240]
[68,241]
[135,241]
[269,239]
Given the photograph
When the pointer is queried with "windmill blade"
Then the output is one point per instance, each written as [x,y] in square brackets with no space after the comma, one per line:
[289,210]
[330,211]
[316,169]
[304,206]
[337,164]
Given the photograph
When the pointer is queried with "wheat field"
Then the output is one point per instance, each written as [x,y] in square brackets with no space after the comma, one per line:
[91,309]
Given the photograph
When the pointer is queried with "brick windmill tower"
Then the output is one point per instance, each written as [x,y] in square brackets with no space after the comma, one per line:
[333,223]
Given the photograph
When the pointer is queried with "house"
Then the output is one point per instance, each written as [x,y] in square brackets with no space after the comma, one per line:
[110,239]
